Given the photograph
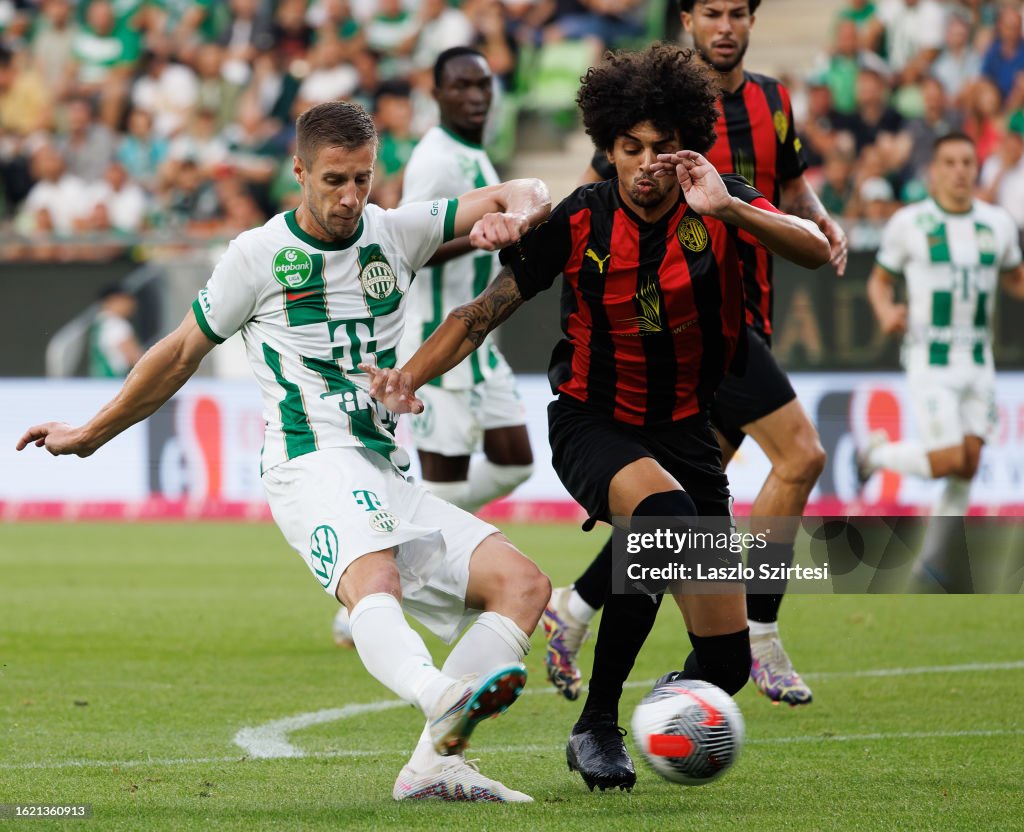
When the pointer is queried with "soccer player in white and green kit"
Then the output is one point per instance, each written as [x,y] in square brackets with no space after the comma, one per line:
[315,293]
[952,251]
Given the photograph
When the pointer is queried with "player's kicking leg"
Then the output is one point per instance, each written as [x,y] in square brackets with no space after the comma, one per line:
[512,592]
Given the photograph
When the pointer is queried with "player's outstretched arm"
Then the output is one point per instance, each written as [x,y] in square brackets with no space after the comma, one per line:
[161,371]
[498,215]
[1013,281]
[796,239]
[461,332]
[799,199]
[892,316]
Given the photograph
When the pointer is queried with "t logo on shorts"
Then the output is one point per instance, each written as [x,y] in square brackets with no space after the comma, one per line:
[367,499]
[323,553]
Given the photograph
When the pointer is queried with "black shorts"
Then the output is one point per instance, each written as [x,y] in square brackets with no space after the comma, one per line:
[588,450]
[761,390]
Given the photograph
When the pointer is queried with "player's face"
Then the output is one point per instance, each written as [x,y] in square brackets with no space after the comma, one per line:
[633,154]
[720,31]
[335,188]
[465,95]
[954,171]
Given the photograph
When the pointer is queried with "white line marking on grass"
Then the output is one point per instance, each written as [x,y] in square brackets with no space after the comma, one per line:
[270,740]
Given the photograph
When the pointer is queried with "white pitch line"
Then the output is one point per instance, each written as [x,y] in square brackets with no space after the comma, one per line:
[499,749]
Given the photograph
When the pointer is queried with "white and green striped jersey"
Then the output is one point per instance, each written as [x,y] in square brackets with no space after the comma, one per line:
[311,311]
[951,263]
[444,165]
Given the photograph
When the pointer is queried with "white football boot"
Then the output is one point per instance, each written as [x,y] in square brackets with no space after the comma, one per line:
[454,779]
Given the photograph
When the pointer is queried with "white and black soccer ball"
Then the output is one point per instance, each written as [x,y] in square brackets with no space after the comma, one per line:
[690,732]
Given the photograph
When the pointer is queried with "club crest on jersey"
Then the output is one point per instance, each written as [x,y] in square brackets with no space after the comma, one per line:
[692,234]
[781,125]
[292,267]
[384,521]
[377,278]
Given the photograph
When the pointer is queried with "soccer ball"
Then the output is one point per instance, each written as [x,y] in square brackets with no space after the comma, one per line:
[690,732]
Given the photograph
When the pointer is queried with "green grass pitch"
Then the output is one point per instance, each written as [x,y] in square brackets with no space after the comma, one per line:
[131,655]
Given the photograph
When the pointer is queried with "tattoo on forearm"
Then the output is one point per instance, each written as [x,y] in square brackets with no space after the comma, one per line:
[493,306]
[804,203]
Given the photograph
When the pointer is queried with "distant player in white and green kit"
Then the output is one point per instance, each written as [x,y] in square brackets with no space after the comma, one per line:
[317,292]
[952,251]
[476,404]
[476,401]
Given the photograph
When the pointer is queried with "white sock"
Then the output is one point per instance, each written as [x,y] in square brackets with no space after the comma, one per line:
[456,493]
[394,653]
[904,457]
[488,481]
[761,628]
[492,640]
[578,608]
[943,539]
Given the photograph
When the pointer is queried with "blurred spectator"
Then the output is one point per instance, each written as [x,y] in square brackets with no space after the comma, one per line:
[1002,175]
[959,63]
[113,345]
[329,77]
[167,90]
[843,63]
[119,204]
[58,203]
[937,120]
[141,151]
[292,34]
[864,16]
[982,111]
[494,39]
[25,100]
[913,35]
[872,197]
[874,121]
[190,200]
[365,93]
[246,34]
[441,27]
[217,90]
[87,146]
[392,32]
[603,22]
[105,54]
[335,17]
[1005,57]
[837,182]
[201,143]
[393,117]
[52,43]
[818,130]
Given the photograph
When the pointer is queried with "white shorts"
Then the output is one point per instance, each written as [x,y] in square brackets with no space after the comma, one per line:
[453,421]
[337,504]
[951,404]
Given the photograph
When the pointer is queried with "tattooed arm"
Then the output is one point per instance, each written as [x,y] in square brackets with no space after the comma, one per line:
[461,332]
[799,199]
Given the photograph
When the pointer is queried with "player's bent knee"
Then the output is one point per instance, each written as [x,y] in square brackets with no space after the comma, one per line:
[804,464]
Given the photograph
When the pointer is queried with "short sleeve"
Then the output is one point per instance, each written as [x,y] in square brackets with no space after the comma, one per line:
[1010,255]
[229,298]
[420,227]
[540,256]
[790,162]
[892,253]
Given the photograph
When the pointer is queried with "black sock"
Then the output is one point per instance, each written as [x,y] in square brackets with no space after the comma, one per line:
[720,660]
[762,607]
[625,624]
[595,584]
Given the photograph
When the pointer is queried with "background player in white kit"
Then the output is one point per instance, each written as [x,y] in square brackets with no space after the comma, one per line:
[953,251]
[478,400]
[315,292]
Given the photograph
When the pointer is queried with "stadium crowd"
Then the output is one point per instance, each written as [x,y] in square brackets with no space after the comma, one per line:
[177,116]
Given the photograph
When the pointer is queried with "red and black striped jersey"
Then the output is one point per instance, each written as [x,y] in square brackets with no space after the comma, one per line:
[756,139]
[652,313]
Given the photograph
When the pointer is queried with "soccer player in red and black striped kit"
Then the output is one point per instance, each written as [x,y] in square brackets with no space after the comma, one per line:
[756,138]
[652,317]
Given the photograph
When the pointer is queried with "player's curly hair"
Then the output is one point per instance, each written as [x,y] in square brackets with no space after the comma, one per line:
[664,85]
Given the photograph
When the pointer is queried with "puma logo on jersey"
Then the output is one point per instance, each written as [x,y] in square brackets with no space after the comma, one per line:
[599,260]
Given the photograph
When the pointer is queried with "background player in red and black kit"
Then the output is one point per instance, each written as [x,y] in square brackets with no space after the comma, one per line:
[756,138]
[652,317]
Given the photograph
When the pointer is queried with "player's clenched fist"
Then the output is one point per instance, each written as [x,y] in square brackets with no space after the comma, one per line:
[57,437]
[393,389]
[494,231]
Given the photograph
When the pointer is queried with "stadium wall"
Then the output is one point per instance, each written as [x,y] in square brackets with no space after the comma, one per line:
[198,457]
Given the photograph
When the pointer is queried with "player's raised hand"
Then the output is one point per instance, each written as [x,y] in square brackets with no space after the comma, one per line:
[393,389]
[57,437]
[703,188]
[497,230]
